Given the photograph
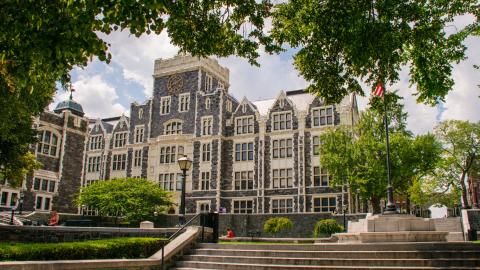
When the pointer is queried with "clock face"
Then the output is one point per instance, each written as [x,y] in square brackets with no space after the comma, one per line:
[175,83]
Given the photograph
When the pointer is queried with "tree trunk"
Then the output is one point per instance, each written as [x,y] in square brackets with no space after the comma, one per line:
[409,207]
[375,201]
[465,204]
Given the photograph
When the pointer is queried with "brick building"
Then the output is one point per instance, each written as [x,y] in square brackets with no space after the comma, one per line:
[248,156]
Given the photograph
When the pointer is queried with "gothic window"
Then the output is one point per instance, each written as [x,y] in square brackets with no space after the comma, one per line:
[118,162]
[282,205]
[168,154]
[93,164]
[229,105]
[96,142]
[139,134]
[120,139]
[282,121]
[173,128]
[282,148]
[208,83]
[140,113]
[321,178]
[243,206]
[137,158]
[184,102]
[165,105]
[205,181]
[244,125]
[324,204]
[47,143]
[207,123]
[316,145]
[244,151]
[203,207]
[322,116]
[167,181]
[44,185]
[244,180]
[282,178]
[206,149]
[207,103]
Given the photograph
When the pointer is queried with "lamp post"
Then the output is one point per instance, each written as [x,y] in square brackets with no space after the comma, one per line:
[184,163]
[344,209]
[83,211]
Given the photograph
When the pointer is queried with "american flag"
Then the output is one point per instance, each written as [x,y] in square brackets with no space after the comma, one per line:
[378,90]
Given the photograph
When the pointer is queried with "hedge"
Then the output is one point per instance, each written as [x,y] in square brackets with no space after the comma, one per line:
[127,248]
[327,227]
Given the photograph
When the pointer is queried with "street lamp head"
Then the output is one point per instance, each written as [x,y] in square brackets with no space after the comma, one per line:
[184,163]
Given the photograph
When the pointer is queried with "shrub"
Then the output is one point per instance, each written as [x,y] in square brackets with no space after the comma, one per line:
[275,225]
[327,227]
[94,249]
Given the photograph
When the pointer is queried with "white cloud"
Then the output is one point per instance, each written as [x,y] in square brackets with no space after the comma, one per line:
[264,82]
[463,101]
[96,96]
[136,56]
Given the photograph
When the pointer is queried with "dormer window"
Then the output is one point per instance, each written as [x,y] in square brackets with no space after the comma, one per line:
[282,121]
[96,142]
[173,128]
[120,139]
[47,143]
[323,116]
[244,125]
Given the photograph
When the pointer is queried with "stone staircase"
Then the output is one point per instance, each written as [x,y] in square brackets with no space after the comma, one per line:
[452,225]
[388,256]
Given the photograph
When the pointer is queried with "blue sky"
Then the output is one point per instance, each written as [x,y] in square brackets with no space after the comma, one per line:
[106,90]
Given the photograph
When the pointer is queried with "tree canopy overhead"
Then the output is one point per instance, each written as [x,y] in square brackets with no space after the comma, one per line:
[41,41]
[344,43]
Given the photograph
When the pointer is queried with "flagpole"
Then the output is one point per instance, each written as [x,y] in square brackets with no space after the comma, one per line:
[391,208]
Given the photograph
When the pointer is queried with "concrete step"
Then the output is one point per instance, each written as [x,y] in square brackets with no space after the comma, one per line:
[342,254]
[455,237]
[463,262]
[351,247]
[232,266]
[448,224]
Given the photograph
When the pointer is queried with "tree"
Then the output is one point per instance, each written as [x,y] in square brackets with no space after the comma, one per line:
[358,157]
[41,41]
[133,198]
[344,43]
[276,225]
[327,227]
[461,141]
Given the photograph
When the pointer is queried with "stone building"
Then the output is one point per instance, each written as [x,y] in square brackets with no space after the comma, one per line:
[62,137]
[248,156]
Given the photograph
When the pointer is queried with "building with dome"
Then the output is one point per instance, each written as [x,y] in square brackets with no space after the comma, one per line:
[62,137]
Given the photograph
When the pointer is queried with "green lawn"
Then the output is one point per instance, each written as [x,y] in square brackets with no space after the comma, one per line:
[132,247]
[255,243]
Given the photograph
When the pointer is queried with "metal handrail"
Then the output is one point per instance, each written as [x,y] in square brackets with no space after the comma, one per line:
[175,234]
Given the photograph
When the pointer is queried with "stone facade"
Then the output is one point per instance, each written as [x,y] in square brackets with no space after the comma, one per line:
[248,157]
[62,139]
[267,144]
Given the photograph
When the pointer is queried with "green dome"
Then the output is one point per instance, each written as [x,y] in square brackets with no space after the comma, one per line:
[70,105]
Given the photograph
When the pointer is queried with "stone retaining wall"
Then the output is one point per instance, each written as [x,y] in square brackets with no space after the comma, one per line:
[44,234]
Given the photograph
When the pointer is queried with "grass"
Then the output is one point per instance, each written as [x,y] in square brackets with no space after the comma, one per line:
[131,247]
[255,243]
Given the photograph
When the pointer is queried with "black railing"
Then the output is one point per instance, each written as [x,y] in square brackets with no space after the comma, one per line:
[207,220]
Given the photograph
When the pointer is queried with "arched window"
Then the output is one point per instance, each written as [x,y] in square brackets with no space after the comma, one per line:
[140,113]
[47,143]
[207,103]
[172,128]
